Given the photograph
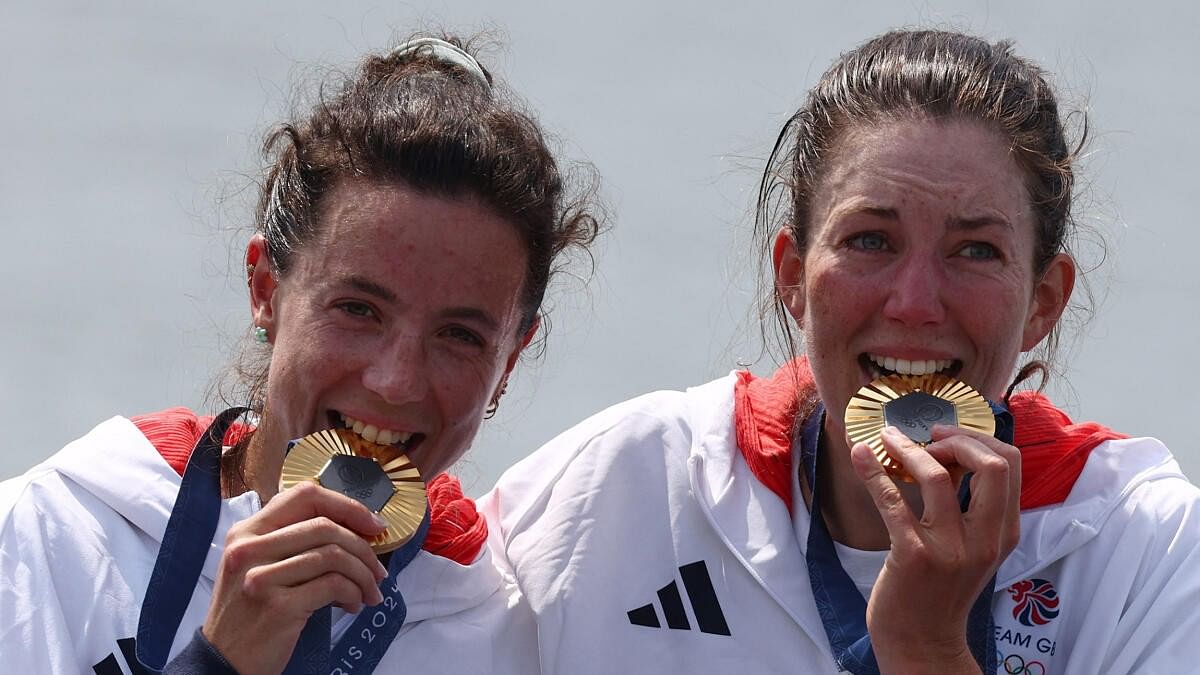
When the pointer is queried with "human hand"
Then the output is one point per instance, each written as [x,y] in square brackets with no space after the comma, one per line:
[941,560]
[305,550]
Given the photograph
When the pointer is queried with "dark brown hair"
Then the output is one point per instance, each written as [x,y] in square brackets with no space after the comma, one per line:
[435,126]
[924,75]
[413,117]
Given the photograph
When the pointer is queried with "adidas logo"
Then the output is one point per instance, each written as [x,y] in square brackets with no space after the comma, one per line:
[703,599]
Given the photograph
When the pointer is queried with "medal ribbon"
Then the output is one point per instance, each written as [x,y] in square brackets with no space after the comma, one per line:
[190,530]
[180,561]
[368,638]
[842,608]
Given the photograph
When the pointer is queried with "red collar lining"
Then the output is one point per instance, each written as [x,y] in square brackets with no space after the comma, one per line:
[1053,448]
[456,530]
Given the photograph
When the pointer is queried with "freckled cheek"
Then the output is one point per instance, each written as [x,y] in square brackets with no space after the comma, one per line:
[995,315]
[840,300]
[463,391]
[840,307]
[301,378]
[464,424]
[463,405]
[995,333]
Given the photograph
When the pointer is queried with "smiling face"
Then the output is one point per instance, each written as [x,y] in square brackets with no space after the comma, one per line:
[919,259]
[401,320]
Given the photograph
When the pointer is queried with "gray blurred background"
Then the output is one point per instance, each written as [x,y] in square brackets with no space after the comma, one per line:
[129,148]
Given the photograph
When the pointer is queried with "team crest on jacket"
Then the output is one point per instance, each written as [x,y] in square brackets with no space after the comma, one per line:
[1036,601]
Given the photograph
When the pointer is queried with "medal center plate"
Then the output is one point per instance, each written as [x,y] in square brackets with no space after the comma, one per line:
[359,478]
[915,413]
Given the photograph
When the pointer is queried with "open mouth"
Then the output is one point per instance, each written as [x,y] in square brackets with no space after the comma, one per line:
[878,366]
[405,441]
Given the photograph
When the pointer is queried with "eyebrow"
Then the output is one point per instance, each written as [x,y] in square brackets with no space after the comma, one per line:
[976,223]
[462,313]
[371,288]
[979,222]
[471,314]
[877,211]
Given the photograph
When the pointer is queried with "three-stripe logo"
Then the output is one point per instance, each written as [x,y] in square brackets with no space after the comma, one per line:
[703,599]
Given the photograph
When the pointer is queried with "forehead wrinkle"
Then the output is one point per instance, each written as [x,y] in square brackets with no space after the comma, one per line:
[900,189]
[864,204]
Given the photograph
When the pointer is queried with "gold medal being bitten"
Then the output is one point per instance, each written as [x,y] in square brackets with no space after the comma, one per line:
[377,476]
[913,404]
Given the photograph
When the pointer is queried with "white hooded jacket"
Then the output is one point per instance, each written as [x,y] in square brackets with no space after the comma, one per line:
[79,535]
[644,543]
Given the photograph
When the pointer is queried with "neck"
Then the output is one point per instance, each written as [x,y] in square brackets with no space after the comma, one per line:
[262,468]
[849,512]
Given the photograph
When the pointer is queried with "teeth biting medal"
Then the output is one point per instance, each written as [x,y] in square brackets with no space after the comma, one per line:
[377,476]
[913,404]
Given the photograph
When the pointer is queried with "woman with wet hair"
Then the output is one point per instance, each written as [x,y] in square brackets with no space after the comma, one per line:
[887,501]
[406,232]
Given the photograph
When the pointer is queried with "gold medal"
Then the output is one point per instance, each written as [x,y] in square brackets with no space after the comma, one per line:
[913,404]
[377,476]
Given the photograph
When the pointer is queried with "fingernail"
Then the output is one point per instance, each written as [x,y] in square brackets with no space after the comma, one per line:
[379,520]
[380,571]
[377,597]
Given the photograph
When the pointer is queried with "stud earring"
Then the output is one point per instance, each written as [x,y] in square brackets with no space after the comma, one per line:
[260,335]
[250,275]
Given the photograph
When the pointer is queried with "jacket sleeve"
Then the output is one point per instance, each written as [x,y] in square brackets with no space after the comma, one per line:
[1158,630]
[35,635]
[199,657]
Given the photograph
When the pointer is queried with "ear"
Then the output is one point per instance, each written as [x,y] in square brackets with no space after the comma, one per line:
[1050,297]
[261,279]
[789,273]
[511,362]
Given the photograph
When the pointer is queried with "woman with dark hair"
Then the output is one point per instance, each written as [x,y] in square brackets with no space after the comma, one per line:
[887,502]
[406,232]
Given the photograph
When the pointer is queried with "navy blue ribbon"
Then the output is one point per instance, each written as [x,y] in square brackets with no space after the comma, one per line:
[185,544]
[190,530]
[842,608]
[368,638]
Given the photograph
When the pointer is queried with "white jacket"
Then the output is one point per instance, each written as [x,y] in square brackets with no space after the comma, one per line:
[619,525]
[79,534]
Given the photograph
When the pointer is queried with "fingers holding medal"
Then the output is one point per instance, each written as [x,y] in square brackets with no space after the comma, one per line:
[929,431]
[307,548]
[342,502]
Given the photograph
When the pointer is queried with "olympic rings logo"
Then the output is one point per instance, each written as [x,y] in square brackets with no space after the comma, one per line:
[1015,664]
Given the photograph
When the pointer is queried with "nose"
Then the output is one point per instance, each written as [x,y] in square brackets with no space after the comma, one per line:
[916,294]
[398,372]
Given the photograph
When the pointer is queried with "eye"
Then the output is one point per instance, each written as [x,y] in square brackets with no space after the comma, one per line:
[463,335]
[357,309]
[868,241]
[978,250]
